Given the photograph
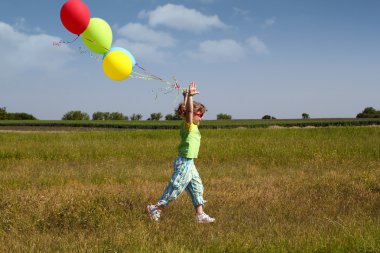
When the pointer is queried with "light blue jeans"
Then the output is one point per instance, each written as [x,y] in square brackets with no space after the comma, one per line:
[185,176]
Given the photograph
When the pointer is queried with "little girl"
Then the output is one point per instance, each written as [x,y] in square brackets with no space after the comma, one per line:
[185,175]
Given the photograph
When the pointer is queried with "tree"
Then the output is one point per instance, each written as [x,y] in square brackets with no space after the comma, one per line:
[98,116]
[76,115]
[20,116]
[155,116]
[106,116]
[109,116]
[173,116]
[3,113]
[117,116]
[136,116]
[305,115]
[369,112]
[221,116]
[268,117]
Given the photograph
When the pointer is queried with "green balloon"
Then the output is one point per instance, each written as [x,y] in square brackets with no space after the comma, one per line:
[98,36]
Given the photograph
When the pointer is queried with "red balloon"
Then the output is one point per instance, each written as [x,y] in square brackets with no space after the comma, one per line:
[75,16]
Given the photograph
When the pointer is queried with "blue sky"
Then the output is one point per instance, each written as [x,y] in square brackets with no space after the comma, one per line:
[249,58]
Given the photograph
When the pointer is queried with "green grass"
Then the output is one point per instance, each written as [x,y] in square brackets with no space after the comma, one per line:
[271,190]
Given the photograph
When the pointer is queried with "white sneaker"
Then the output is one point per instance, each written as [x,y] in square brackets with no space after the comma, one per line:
[204,218]
[154,212]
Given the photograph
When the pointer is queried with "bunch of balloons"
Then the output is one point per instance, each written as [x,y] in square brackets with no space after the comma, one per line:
[97,36]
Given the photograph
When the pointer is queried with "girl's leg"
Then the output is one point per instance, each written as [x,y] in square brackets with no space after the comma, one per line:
[179,181]
[195,190]
[199,209]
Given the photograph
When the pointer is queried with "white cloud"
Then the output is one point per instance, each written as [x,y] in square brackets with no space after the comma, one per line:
[21,25]
[140,33]
[258,45]
[218,51]
[269,22]
[23,52]
[242,13]
[181,18]
[146,44]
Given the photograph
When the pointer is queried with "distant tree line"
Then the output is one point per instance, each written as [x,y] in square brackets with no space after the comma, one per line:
[268,117]
[155,116]
[136,116]
[223,116]
[79,115]
[369,112]
[76,115]
[109,116]
[173,116]
[4,115]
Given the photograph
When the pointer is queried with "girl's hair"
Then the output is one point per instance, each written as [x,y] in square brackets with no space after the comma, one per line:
[197,107]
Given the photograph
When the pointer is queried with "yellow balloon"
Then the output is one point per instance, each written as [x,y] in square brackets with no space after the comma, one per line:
[117,65]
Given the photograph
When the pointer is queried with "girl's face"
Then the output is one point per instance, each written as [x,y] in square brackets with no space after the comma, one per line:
[197,117]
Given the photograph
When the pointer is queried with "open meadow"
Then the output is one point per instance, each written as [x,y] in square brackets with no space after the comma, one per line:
[270,190]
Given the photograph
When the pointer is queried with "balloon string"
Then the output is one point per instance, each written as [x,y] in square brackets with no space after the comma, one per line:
[173,85]
[91,54]
[145,71]
[154,77]
[59,43]
[94,42]
[166,90]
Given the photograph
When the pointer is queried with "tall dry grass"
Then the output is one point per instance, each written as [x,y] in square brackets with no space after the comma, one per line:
[271,190]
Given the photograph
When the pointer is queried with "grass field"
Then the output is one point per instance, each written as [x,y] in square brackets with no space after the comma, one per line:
[271,190]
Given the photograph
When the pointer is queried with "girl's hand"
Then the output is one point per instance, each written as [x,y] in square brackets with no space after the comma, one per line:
[193,89]
[185,92]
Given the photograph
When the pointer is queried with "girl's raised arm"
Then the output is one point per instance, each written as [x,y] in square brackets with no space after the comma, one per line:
[189,102]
